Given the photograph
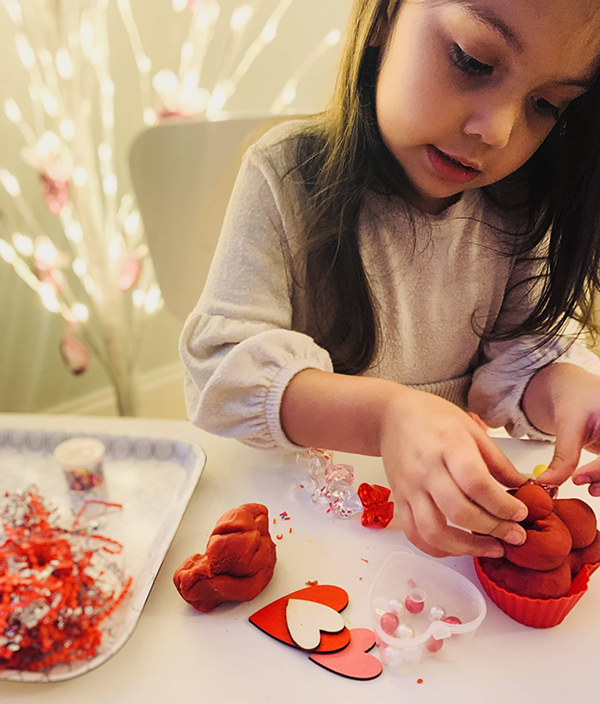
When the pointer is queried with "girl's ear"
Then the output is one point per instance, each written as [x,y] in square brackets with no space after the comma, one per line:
[382,25]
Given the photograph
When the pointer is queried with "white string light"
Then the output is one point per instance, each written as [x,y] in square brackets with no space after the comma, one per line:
[7,252]
[138,296]
[15,12]
[25,51]
[12,111]
[47,293]
[71,144]
[79,267]
[23,244]
[64,64]
[152,299]
[201,32]
[67,129]
[226,88]
[110,185]
[81,311]
[10,183]
[79,176]
[289,92]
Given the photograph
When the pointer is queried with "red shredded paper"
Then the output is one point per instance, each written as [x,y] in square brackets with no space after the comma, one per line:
[57,586]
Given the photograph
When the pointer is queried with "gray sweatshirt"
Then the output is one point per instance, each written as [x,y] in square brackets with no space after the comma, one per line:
[250,332]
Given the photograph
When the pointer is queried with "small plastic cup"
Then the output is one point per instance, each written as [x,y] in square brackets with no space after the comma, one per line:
[427,583]
[82,462]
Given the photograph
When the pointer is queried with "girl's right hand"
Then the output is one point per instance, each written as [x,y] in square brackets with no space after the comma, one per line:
[442,468]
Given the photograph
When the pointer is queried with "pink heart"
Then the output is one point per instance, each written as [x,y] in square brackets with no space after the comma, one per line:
[354,661]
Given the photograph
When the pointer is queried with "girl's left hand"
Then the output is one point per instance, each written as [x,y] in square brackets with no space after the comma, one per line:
[573,397]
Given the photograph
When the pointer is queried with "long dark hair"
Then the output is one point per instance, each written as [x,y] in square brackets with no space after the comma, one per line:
[341,156]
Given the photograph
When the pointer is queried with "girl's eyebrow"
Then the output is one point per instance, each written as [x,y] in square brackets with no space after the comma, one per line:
[488,17]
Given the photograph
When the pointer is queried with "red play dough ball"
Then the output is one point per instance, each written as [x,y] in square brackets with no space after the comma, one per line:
[548,544]
[238,564]
[585,556]
[532,583]
[579,518]
[537,500]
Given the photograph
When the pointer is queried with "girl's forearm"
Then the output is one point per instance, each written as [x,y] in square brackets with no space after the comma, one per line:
[544,391]
[337,412]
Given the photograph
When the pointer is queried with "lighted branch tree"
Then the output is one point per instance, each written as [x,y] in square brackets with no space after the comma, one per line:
[93,269]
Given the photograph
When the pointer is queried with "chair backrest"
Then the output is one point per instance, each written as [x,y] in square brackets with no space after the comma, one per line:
[183,173]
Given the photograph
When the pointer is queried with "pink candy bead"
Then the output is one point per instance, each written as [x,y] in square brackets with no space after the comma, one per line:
[389,622]
[454,620]
[415,601]
[433,645]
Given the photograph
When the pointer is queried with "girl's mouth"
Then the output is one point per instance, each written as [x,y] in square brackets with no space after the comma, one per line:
[448,168]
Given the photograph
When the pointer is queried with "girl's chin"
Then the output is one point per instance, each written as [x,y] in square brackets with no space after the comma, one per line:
[434,201]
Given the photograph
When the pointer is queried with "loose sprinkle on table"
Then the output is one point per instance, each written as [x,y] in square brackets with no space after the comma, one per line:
[279,536]
[311,583]
[363,559]
[419,681]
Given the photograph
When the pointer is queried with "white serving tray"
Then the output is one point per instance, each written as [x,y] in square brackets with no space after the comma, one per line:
[152,477]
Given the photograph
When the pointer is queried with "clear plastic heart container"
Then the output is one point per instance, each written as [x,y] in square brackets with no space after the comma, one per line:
[422,609]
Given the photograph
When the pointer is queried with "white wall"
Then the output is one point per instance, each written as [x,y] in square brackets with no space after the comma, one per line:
[32,375]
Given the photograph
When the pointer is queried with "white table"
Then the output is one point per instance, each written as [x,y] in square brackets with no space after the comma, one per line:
[179,655]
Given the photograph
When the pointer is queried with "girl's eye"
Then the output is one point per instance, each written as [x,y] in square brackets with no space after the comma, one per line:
[543,107]
[468,64]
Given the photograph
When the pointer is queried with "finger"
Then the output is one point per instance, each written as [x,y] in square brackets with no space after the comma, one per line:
[588,473]
[407,521]
[433,529]
[471,474]
[594,489]
[457,508]
[482,424]
[499,466]
[569,441]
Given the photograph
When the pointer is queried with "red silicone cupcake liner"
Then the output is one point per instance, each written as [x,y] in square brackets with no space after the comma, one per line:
[537,613]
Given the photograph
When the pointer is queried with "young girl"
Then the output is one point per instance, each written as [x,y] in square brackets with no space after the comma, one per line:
[418,251]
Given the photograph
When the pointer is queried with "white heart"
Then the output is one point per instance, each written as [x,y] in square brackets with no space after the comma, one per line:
[306,619]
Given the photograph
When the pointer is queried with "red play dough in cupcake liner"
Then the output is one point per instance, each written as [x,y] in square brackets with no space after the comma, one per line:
[537,613]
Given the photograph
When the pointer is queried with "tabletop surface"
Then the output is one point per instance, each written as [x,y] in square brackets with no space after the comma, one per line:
[179,655]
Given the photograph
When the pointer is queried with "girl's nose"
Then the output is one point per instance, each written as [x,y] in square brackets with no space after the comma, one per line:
[494,124]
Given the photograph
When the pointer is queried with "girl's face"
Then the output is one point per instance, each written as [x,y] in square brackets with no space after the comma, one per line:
[469,89]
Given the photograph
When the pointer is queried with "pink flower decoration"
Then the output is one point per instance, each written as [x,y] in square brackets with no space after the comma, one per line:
[129,274]
[75,355]
[56,193]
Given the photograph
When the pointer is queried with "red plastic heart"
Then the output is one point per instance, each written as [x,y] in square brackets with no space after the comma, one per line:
[272,618]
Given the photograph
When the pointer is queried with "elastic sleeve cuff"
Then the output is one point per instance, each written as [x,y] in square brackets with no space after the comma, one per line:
[499,386]
[273,402]
[242,397]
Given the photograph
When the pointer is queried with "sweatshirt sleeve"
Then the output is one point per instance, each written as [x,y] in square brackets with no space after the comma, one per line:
[500,381]
[238,347]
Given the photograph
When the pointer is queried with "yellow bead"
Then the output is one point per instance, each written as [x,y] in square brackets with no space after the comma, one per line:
[539,469]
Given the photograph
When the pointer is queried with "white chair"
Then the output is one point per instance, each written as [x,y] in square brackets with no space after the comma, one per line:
[182,174]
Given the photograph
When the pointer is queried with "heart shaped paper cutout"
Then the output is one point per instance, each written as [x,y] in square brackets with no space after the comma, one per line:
[272,620]
[306,619]
[354,661]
